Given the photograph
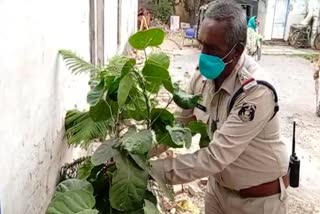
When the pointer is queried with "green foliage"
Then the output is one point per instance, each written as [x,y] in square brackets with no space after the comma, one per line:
[129,185]
[81,129]
[116,176]
[186,101]
[138,143]
[152,37]
[125,87]
[74,184]
[85,169]
[96,93]
[72,201]
[75,63]
[198,127]
[100,112]
[162,10]
[180,136]
[150,208]
[103,153]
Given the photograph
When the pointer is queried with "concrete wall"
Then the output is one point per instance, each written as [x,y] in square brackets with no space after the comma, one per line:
[36,90]
[145,4]
[111,28]
[128,23]
[262,12]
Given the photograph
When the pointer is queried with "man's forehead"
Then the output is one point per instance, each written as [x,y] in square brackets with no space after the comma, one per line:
[211,26]
[213,31]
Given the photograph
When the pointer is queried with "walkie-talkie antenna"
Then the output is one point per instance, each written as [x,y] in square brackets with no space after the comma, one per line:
[294,165]
[294,139]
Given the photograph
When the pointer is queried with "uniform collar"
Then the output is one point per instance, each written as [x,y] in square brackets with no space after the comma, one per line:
[229,84]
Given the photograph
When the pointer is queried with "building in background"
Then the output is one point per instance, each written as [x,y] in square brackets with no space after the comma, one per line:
[276,16]
[36,89]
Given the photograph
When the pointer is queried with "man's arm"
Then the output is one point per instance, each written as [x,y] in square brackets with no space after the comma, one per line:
[186,115]
[246,121]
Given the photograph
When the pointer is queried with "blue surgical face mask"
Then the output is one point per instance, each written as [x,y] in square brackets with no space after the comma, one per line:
[211,67]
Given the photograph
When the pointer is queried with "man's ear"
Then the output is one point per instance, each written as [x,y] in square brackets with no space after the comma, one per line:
[239,50]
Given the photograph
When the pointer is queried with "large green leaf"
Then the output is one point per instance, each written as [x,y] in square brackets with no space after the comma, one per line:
[169,86]
[139,112]
[75,63]
[150,208]
[74,184]
[186,101]
[71,202]
[150,197]
[140,160]
[180,136]
[85,169]
[81,129]
[163,137]
[147,38]
[101,111]
[138,143]
[160,119]
[88,212]
[103,153]
[125,87]
[198,127]
[96,93]
[155,77]
[160,59]
[113,89]
[129,185]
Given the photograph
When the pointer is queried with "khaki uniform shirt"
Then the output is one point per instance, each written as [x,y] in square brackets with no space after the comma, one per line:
[246,149]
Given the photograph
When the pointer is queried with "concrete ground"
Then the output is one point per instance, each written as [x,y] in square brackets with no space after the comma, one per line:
[287,51]
[294,82]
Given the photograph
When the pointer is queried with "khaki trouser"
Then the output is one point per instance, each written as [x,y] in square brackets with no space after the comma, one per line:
[220,200]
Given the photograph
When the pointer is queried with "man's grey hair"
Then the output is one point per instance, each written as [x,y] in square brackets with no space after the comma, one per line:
[232,12]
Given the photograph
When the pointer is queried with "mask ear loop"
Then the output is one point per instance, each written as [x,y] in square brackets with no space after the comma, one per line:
[227,63]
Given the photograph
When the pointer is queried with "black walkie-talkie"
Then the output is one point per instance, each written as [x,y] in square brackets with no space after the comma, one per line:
[294,166]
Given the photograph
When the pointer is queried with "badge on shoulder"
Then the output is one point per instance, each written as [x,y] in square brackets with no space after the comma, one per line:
[247,112]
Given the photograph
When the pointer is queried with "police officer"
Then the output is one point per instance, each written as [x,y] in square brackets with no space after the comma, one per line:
[316,84]
[246,162]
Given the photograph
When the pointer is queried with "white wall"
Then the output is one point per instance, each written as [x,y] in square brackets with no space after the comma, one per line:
[128,25]
[35,92]
[128,19]
[110,28]
[262,12]
[297,12]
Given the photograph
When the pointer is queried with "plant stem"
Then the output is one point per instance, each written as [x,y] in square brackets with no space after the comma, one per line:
[148,108]
[145,54]
[110,180]
[117,134]
[146,98]
[145,94]
[170,101]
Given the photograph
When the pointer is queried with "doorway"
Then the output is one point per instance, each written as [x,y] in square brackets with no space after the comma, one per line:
[280,19]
